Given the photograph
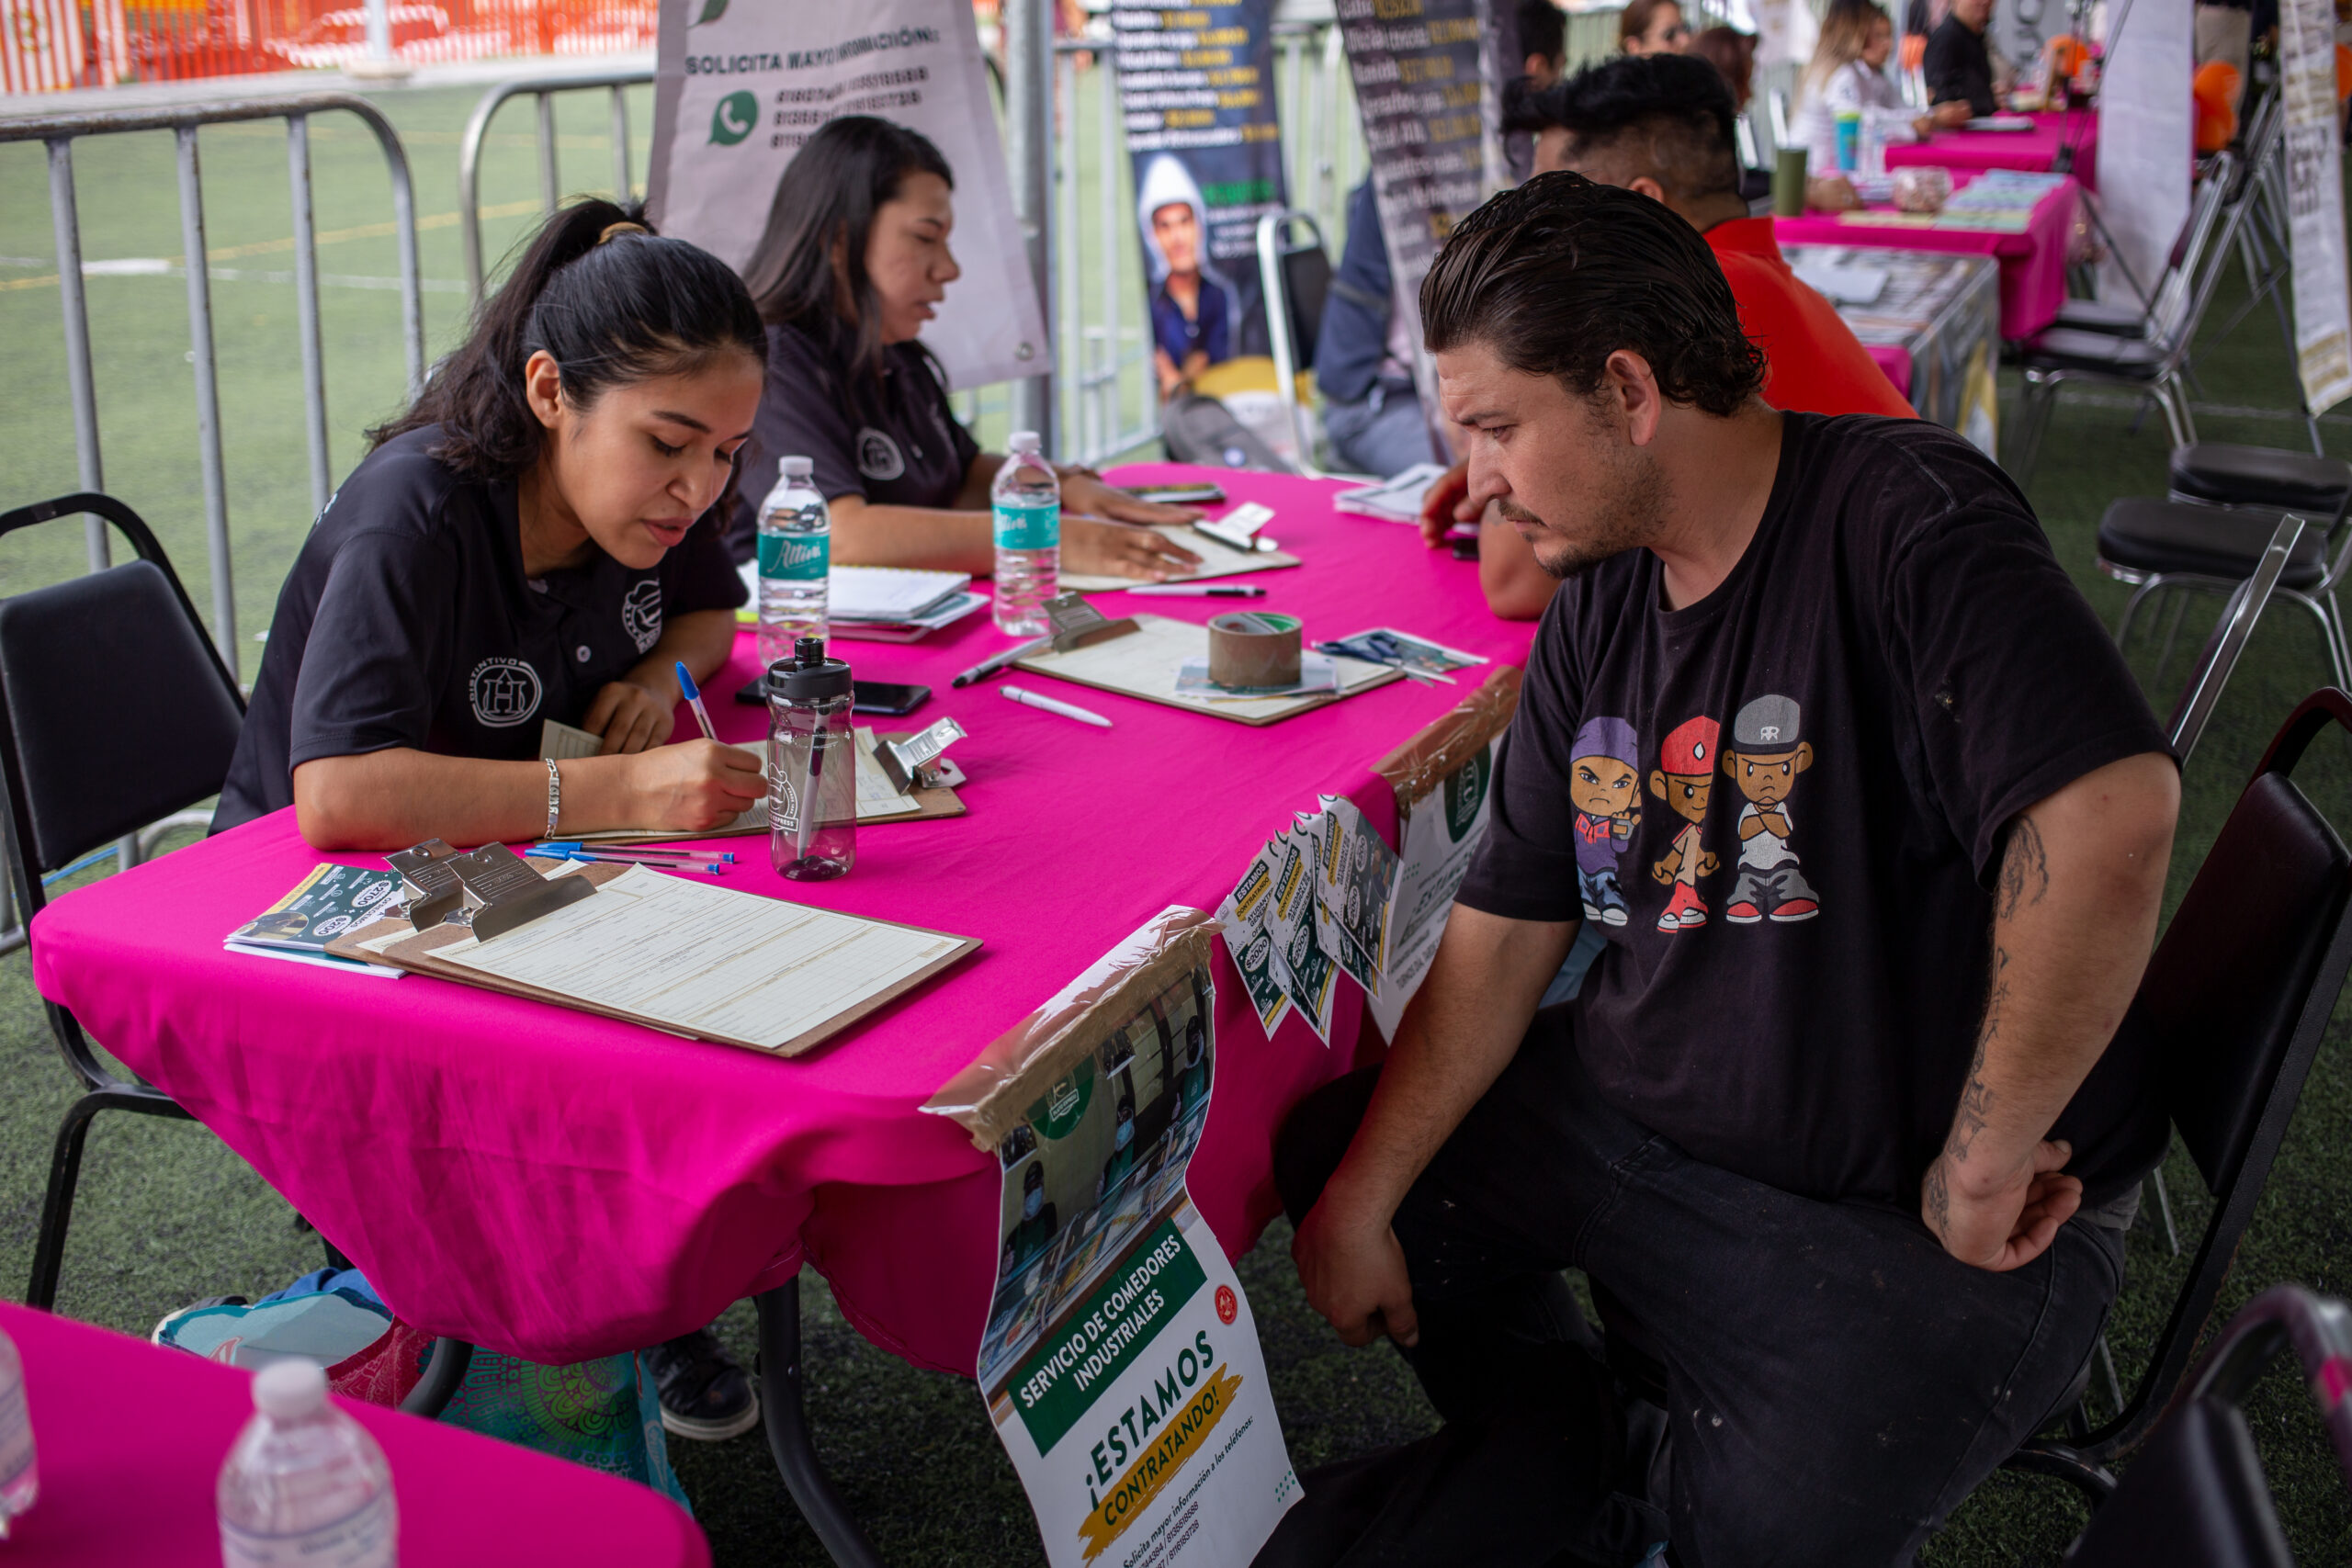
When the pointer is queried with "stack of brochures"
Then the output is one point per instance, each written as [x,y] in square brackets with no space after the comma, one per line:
[1397,500]
[324,905]
[882,603]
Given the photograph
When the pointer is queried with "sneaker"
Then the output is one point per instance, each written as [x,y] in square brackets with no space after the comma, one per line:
[706,1394]
[1613,916]
[1796,909]
[1743,913]
[172,1319]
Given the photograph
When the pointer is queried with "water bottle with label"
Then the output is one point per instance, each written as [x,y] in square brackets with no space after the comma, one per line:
[796,555]
[1027,501]
[305,1483]
[19,1477]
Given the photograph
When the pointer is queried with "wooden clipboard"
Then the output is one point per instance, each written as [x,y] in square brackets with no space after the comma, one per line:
[1143,664]
[932,805]
[417,953]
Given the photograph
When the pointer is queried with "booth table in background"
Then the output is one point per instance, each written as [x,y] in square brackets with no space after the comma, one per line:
[559,1186]
[2034,150]
[131,1437]
[1933,324]
[2032,260]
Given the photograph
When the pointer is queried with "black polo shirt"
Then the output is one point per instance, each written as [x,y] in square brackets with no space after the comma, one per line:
[407,621]
[1958,66]
[915,455]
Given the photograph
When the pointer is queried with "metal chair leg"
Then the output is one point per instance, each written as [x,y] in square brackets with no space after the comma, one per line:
[2172,635]
[787,1427]
[2154,585]
[2114,1383]
[2163,1207]
[65,1174]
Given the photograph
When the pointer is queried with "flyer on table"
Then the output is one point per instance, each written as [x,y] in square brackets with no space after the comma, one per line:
[1120,1361]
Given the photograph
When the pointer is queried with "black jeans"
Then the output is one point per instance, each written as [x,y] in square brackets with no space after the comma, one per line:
[1836,1382]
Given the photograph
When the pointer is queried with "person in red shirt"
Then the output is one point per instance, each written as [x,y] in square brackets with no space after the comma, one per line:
[1662,124]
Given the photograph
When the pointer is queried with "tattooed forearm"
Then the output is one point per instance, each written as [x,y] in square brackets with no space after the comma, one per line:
[1936,1199]
[1976,1098]
[2025,868]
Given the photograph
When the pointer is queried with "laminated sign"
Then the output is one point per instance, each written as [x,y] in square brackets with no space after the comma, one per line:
[1196,88]
[1119,1361]
[740,85]
[2315,202]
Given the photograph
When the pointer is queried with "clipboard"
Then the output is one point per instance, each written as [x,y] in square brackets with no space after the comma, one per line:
[420,953]
[1218,559]
[931,803]
[1143,662]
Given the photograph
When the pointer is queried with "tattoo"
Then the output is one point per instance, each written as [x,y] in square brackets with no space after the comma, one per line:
[2025,868]
[1935,1201]
[1976,1099]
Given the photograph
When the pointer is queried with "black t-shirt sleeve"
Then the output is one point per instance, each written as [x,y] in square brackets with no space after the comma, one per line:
[700,574]
[379,648]
[1526,870]
[2016,688]
[798,417]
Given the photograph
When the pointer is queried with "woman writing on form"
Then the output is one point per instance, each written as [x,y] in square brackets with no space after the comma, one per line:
[855,258]
[528,542]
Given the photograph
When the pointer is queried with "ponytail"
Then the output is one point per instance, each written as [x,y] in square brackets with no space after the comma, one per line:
[610,301]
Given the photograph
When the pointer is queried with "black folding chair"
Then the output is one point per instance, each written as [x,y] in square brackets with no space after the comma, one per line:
[74,783]
[2231,1013]
[1295,278]
[2196,1492]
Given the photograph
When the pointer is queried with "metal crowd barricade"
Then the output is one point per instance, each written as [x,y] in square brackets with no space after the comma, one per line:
[59,132]
[542,88]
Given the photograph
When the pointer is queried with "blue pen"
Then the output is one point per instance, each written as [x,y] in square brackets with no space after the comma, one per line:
[584,847]
[586,858]
[694,701]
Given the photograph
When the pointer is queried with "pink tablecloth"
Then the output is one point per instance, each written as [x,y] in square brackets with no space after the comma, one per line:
[2033,263]
[1896,360]
[131,1437]
[559,1186]
[2033,151]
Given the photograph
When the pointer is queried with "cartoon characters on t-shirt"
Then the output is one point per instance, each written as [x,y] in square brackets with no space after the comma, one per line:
[1683,778]
[1604,783]
[1766,755]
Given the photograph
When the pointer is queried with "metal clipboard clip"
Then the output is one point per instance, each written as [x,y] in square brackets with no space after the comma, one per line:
[908,764]
[494,889]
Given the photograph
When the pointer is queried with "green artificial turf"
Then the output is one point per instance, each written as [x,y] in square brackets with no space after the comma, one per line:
[168,1214]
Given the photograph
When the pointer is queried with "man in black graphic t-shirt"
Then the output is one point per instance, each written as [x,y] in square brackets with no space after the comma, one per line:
[1848,1168]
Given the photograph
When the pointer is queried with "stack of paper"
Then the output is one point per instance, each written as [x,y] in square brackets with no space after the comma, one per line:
[1395,501]
[881,603]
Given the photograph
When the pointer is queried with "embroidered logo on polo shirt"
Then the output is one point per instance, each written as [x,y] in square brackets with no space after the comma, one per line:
[505,692]
[877,456]
[641,614]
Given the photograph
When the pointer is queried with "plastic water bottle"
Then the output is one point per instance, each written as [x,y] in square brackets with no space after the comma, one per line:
[20,1476]
[795,557]
[1027,501]
[305,1483]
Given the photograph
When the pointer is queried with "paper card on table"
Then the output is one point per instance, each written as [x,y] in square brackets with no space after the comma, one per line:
[1389,644]
[331,900]
[1218,559]
[1242,920]
[1119,1359]
[563,742]
[696,958]
[1149,662]
[1397,499]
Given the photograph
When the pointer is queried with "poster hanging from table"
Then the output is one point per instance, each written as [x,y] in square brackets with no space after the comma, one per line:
[740,85]
[1428,78]
[2315,202]
[1120,1361]
[1196,88]
[2146,145]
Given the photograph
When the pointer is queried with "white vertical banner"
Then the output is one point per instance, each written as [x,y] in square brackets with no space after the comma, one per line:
[740,85]
[2315,202]
[2146,140]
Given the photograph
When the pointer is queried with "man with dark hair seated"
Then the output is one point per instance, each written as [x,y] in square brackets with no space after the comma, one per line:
[1662,124]
[1841,1145]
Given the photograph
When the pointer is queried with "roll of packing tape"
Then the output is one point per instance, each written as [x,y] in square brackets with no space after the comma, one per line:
[1251,647]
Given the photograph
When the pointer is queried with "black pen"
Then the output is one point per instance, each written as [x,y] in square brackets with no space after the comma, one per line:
[1202,590]
[996,662]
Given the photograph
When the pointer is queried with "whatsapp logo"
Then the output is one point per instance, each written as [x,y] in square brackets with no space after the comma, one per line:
[737,115]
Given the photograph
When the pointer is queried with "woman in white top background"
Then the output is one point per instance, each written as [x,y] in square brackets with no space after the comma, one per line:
[1849,72]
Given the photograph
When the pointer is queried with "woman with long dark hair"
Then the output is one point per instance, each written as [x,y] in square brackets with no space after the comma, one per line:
[531,540]
[855,258]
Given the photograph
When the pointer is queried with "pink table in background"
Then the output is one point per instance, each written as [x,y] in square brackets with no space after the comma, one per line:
[130,1440]
[559,1186]
[2033,263]
[2034,150]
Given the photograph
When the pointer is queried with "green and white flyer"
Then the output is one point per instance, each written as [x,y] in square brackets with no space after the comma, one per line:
[1120,1361]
